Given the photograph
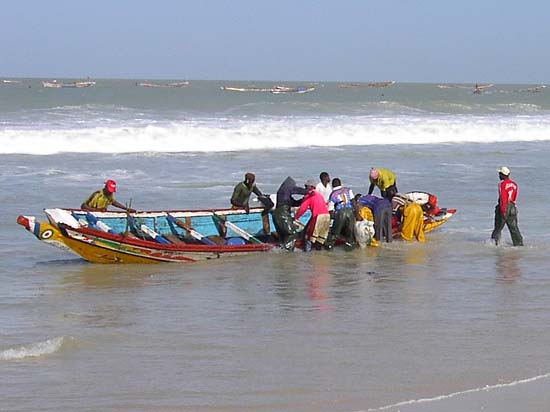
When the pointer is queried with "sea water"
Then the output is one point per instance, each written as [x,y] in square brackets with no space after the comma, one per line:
[454,324]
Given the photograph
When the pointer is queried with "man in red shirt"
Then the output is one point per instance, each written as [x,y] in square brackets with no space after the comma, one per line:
[506,212]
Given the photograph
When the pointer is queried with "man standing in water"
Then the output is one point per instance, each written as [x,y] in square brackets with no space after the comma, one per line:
[506,211]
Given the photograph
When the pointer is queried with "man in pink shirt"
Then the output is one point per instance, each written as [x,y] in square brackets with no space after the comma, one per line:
[318,226]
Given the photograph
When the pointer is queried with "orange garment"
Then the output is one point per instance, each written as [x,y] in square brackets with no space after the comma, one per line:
[413,222]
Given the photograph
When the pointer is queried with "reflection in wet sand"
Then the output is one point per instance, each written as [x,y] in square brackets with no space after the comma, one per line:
[507,264]
[318,281]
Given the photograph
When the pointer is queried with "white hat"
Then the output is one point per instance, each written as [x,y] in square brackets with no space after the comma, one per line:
[504,170]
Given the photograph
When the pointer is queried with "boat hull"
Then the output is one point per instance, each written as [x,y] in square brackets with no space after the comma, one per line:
[98,246]
[173,236]
[100,250]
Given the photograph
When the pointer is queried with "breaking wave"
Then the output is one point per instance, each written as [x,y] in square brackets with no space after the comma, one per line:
[468,391]
[237,134]
[33,350]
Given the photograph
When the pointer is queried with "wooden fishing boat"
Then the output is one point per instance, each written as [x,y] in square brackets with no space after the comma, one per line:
[148,237]
[168,236]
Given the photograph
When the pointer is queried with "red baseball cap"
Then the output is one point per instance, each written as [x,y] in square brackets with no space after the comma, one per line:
[110,185]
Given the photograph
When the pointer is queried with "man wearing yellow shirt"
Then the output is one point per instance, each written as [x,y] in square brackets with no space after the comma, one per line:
[384,179]
[101,199]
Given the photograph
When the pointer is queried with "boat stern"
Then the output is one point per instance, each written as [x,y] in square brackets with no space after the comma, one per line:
[432,222]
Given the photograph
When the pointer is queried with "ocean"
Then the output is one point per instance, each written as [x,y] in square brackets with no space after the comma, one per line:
[455,324]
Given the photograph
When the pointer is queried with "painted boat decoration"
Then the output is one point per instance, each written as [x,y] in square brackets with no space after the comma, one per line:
[164,85]
[58,85]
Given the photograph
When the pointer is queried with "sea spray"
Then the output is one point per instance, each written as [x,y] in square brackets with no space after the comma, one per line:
[34,350]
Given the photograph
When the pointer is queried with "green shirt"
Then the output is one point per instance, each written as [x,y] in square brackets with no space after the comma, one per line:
[241,194]
[98,200]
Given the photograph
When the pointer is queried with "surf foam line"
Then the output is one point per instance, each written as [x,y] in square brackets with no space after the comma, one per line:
[452,395]
[33,350]
[226,135]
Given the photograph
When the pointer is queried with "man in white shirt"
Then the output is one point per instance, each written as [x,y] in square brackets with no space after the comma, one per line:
[324,187]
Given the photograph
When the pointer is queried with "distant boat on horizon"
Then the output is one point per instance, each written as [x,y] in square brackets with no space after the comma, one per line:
[299,89]
[370,84]
[174,84]
[478,88]
[54,84]
[273,90]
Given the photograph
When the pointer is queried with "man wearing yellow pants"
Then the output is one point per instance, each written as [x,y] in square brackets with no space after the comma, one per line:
[412,222]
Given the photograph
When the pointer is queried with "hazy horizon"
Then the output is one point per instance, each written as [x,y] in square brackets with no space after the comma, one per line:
[258,80]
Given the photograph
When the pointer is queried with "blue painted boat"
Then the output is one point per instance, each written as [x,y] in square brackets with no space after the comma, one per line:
[154,236]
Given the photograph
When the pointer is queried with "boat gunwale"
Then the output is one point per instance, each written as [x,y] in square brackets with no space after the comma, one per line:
[163,213]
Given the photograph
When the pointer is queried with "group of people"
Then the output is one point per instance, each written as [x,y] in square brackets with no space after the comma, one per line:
[356,219]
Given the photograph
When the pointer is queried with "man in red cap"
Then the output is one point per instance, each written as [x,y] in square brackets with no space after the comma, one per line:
[101,199]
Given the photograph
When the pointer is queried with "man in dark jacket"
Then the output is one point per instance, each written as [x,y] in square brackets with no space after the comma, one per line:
[281,215]
[243,190]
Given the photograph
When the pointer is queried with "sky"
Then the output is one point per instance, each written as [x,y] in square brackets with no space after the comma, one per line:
[462,41]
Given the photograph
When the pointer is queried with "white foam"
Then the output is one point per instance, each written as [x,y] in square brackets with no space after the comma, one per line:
[33,350]
[220,135]
[452,395]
